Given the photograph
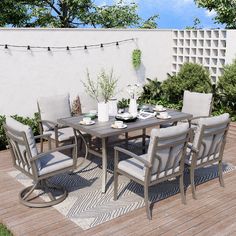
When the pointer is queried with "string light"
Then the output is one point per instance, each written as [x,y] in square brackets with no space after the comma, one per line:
[49,48]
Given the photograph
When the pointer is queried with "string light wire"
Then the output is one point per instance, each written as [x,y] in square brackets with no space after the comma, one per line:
[49,48]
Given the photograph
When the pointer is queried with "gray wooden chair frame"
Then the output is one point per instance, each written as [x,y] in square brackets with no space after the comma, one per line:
[56,128]
[148,165]
[194,118]
[196,155]
[27,165]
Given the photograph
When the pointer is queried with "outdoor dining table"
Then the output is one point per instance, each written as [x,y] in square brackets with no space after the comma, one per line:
[103,131]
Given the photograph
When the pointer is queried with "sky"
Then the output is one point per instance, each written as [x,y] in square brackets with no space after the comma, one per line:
[174,14]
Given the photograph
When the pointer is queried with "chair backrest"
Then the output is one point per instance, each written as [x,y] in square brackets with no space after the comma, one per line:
[22,145]
[197,104]
[210,138]
[167,149]
[53,108]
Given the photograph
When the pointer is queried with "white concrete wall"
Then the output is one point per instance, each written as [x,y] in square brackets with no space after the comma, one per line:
[27,75]
[231,46]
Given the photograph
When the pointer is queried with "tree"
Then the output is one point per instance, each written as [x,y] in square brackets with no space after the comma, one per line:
[196,24]
[225,10]
[68,13]
[150,23]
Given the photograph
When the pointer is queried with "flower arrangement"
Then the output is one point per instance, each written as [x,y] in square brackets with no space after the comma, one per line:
[134,91]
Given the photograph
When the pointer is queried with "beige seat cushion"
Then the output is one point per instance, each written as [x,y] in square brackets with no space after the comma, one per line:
[197,104]
[53,162]
[167,134]
[53,108]
[136,169]
[16,125]
[63,134]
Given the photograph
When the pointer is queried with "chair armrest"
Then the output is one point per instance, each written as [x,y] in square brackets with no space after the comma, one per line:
[49,121]
[198,117]
[53,150]
[131,154]
[44,136]
[55,124]
[192,148]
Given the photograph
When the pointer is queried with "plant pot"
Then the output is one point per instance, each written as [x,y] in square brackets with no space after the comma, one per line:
[103,112]
[133,107]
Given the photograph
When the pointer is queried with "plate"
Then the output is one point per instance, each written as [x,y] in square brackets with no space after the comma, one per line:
[163,118]
[92,122]
[159,110]
[115,127]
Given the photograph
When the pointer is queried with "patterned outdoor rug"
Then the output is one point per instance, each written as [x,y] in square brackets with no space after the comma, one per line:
[88,207]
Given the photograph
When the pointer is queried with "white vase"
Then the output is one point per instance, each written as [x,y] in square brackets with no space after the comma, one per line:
[112,104]
[133,107]
[103,110]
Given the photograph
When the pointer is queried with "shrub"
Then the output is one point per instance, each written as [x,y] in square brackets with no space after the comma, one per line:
[151,92]
[3,140]
[192,77]
[226,91]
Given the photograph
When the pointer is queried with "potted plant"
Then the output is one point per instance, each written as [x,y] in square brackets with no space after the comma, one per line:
[102,90]
[122,105]
[136,58]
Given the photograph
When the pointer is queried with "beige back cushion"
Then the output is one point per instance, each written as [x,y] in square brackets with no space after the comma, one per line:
[197,143]
[15,125]
[181,132]
[54,108]
[197,104]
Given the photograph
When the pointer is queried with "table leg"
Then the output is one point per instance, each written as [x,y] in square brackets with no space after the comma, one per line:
[144,141]
[126,139]
[104,164]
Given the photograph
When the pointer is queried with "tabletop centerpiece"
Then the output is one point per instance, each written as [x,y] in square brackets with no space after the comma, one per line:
[134,92]
[102,90]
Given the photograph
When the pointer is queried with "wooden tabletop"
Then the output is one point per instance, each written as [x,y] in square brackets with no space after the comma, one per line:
[104,129]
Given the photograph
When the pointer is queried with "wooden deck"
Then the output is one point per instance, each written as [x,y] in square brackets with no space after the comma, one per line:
[214,212]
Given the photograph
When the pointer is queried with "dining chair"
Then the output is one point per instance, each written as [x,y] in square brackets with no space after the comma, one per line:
[38,167]
[208,146]
[164,160]
[199,105]
[50,110]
